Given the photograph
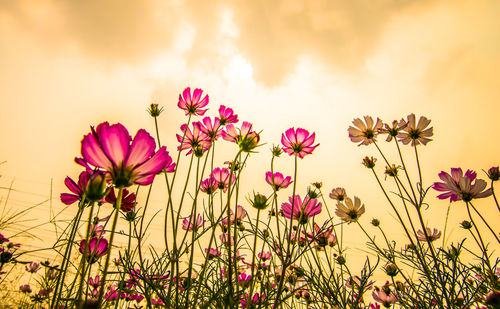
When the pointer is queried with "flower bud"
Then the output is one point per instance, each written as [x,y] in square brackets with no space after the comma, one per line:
[341,260]
[259,201]
[375,222]
[391,270]
[276,151]
[466,225]
[494,173]
[96,187]
[249,141]
[369,162]
[154,110]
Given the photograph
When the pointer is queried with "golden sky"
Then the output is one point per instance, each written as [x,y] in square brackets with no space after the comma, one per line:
[65,65]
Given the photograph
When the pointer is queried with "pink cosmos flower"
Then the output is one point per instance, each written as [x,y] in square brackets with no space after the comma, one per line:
[364,132]
[224,238]
[212,253]
[192,222]
[32,267]
[247,302]
[77,189]
[241,213]
[25,288]
[246,138]
[227,115]
[212,130]
[209,185]
[193,105]
[95,282]
[96,230]
[128,161]
[324,237]
[128,200]
[298,142]
[386,299]
[431,235]
[278,181]
[415,133]
[221,176]
[244,280]
[97,248]
[302,209]
[3,239]
[264,256]
[196,141]
[157,302]
[458,186]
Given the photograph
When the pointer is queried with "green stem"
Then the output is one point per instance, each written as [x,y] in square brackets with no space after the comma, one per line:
[110,245]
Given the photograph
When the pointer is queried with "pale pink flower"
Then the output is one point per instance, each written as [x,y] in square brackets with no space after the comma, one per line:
[241,213]
[298,142]
[128,161]
[278,181]
[33,267]
[324,236]
[264,255]
[301,210]
[386,299]
[221,176]
[458,186]
[209,185]
[431,235]
[212,253]
[392,131]
[95,282]
[227,115]
[196,140]
[193,105]
[416,133]
[192,222]
[338,194]
[224,238]
[364,132]
[25,288]
[349,211]
[245,138]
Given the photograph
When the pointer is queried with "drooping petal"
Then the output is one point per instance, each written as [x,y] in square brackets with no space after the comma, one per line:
[69,199]
[94,154]
[142,148]
[72,186]
[154,165]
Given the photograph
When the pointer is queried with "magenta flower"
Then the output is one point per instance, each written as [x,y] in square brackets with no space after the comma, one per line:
[192,222]
[246,302]
[196,141]
[227,115]
[95,282]
[193,105]
[25,288]
[209,185]
[3,239]
[244,280]
[212,130]
[221,176]
[128,200]
[278,181]
[127,161]
[302,209]
[97,248]
[458,186]
[298,142]
[77,188]
[246,138]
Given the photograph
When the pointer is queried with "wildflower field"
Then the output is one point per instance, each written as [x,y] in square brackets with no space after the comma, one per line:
[223,245]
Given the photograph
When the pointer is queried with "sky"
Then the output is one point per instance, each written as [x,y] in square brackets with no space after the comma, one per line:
[66,65]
